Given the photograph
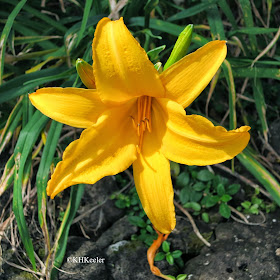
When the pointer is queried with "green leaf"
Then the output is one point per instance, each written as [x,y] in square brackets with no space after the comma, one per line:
[205,217]
[199,186]
[195,196]
[210,201]
[233,189]
[256,200]
[195,206]
[224,210]
[154,53]
[184,195]
[176,254]
[183,179]
[165,246]
[254,209]
[175,168]
[226,198]
[149,229]
[120,203]
[246,204]
[181,277]
[221,190]
[159,257]
[205,175]
[137,221]
[170,259]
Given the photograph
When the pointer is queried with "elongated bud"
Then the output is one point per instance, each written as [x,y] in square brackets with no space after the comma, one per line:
[86,73]
[181,46]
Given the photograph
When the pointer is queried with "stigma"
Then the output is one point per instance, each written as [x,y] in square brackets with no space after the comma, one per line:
[143,118]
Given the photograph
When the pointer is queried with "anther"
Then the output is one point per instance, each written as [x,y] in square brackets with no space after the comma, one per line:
[133,122]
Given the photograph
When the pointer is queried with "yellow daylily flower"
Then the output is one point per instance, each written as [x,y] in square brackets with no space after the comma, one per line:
[136,116]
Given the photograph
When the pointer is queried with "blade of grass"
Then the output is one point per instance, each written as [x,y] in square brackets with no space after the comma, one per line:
[7,135]
[252,31]
[33,39]
[257,90]
[40,15]
[232,94]
[260,105]
[26,141]
[217,30]
[255,72]
[261,174]
[248,19]
[215,22]
[25,31]
[8,175]
[42,176]
[268,47]
[10,119]
[242,62]
[12,89]
[167,27]
[194,10]
[62,236]
[230,17]
[84,21]
[5,34]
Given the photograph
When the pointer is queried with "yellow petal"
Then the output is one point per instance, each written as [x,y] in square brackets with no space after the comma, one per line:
[73,106]
[187,78]
[106,148]
[153,183]
[85,72]
[194,140]
[121,67]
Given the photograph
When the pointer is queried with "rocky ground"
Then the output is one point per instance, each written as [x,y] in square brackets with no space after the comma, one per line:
[237,252]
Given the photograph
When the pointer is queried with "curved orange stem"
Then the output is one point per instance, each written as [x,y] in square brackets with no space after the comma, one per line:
[151,253]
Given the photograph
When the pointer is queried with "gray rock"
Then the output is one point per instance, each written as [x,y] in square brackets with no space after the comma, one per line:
[83,260]
[240,252]
[120,230]
[274,138]
[99,220]
[183,238]
[129,262]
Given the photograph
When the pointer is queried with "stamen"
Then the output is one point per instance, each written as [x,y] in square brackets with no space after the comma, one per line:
[138,129]
[133,123]
[143,118]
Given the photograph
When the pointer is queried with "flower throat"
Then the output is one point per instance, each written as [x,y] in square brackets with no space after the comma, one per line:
[143,118]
